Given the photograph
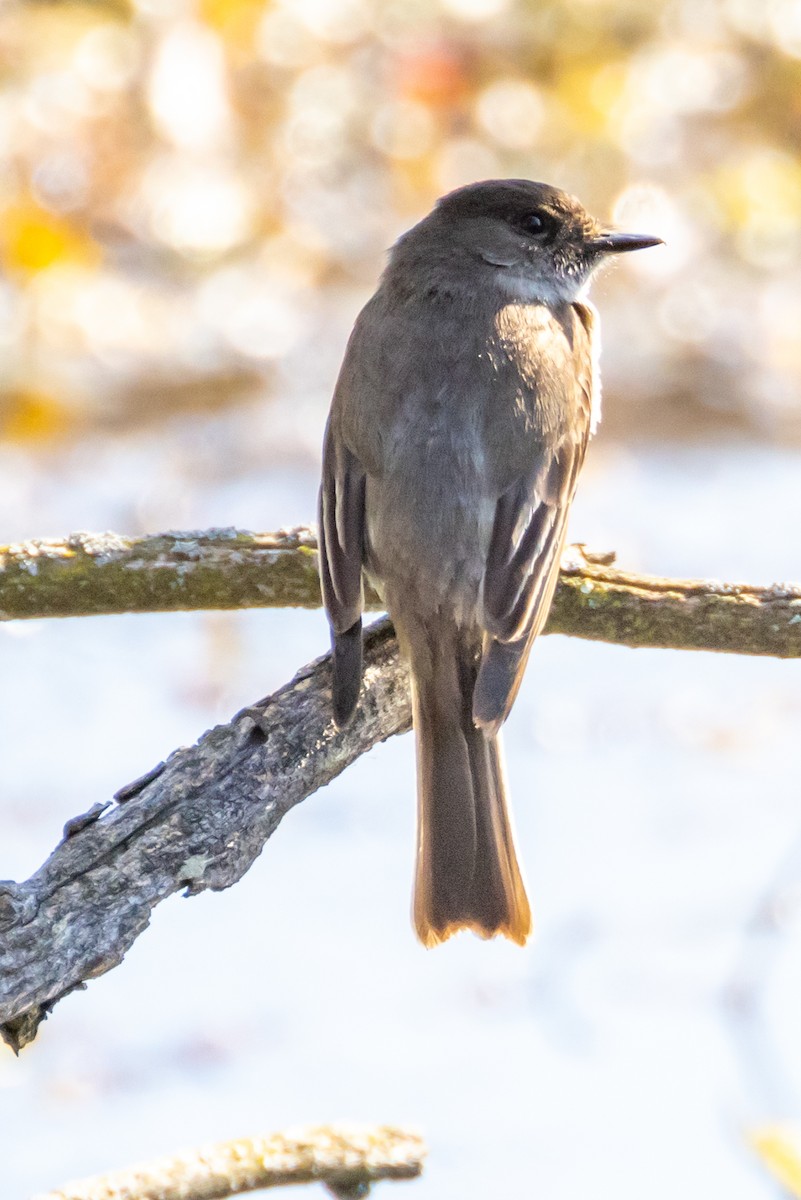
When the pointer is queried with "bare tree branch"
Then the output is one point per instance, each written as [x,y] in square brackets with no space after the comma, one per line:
[90,574]
[197,821]
[346,1159]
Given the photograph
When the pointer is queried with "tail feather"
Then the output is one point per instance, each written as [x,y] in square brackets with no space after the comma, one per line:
[467,871]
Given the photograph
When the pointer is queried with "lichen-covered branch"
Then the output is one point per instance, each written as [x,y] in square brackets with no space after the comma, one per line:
[348,1160]
[196,821]
[90,574]
[604,604]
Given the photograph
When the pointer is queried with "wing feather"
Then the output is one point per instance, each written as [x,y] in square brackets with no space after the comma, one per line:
[341,537]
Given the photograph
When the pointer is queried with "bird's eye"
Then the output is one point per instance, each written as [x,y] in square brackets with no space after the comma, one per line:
[537,224]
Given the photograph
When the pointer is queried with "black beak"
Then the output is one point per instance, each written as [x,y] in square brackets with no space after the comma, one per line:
[621,243]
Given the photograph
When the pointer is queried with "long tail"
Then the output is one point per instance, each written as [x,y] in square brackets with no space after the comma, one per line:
[467,871]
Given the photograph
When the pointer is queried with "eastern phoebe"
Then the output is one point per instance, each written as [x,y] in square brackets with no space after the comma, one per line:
[457,430]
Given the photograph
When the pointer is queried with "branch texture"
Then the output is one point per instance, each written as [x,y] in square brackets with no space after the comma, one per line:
[347,1160]
[197,821]
[91,574]
[200,819]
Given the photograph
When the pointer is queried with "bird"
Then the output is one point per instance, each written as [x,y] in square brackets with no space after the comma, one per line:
[459,423]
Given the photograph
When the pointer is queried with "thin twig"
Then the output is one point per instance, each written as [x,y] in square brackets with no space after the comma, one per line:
[347,1160]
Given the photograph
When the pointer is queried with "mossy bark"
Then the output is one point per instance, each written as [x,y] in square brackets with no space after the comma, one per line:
[94,574]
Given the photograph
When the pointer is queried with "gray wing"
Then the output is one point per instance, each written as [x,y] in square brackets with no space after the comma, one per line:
[525,550]
[527,536]
[341,535]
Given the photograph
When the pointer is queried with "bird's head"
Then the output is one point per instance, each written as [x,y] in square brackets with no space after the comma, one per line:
[534,241]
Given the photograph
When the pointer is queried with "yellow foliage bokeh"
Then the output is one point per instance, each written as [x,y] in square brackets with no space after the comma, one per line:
[32,239]
[779,1148]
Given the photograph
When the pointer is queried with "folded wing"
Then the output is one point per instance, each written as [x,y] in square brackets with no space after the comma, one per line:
[341,535]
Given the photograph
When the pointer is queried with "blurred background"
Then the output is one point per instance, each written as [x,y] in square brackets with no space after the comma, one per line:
[195,200]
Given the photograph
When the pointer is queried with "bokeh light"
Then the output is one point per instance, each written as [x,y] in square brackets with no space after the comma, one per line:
[157,142]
